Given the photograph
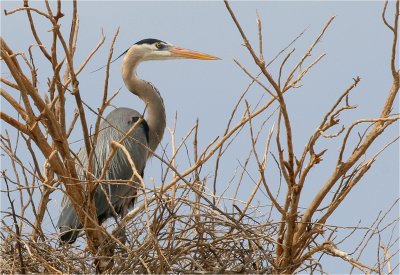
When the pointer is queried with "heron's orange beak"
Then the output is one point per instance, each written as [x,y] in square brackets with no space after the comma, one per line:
[184,53]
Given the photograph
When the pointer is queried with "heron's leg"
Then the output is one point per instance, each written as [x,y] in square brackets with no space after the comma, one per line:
[116,219]
[120,234]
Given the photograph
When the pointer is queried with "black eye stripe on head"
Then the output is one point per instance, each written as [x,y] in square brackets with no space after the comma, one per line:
[149,41]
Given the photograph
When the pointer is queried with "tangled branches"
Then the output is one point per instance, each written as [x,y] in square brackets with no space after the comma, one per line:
[185,222]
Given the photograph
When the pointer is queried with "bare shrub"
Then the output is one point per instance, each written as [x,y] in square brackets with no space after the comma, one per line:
[182,223]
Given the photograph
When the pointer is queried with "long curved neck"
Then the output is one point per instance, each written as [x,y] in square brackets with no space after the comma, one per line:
[155,109]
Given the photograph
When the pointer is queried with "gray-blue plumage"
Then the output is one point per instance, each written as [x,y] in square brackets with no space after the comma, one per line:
[149,133]
[120,194]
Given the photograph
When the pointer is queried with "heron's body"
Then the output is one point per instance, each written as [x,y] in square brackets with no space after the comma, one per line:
[120,190]
[121,194]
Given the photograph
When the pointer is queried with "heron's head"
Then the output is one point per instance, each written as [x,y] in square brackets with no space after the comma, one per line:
[154,49]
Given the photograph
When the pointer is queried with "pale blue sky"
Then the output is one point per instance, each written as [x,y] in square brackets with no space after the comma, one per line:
[357,44]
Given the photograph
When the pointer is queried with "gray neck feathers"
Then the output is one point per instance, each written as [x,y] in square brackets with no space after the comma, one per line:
[155,109]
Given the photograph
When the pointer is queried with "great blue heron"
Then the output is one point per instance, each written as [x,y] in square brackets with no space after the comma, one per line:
[148,134]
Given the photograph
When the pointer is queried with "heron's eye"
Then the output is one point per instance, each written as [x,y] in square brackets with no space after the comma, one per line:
[158,45]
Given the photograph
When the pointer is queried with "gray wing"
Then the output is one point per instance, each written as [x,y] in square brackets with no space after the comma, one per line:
[120,194]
